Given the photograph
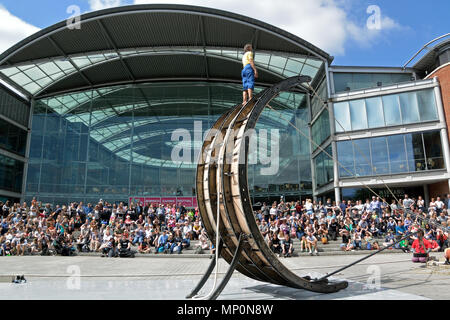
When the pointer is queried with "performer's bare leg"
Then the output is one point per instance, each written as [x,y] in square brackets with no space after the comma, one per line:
[244,100]
[250,94]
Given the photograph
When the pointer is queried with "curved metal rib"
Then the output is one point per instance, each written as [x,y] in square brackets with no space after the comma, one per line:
[222,172]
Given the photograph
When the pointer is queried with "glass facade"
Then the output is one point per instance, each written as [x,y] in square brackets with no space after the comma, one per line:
[11,174]
[391,154]
[13,108]
[346,81]
[388,110]
[316,103]
[323,165]
[364,193]
[117,142]
[12,138]
[320,130]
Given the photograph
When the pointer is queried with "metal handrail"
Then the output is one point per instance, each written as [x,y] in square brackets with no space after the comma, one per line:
[425,46]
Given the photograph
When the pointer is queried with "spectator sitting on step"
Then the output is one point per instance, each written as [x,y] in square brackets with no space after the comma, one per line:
[349,246]
[288,246]
[274,244]
[187,228]
[333,229]
[357,238]
[177,245]
[442,237]
[203,245]
[434,246]
[311,242]
[421,247]
[322,232]
[389,239]
[186,242]
[161,242]
[196,229]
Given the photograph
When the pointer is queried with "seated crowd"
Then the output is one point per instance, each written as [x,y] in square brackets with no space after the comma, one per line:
[118,230]
[114,230]
[360,226]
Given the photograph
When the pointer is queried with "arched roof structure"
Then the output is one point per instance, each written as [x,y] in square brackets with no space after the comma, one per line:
[143,43]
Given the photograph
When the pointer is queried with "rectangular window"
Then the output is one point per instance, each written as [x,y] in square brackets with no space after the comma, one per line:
[380,159]
[349,81]
[342,81]
[320,130]
[388,110]
[363,165]
[415,152]
[433,150]
[324,167]
[346,159]
[397,154]
[392,154]
[342,117]
[375,115]
[391,110]
[409,107]
[427,105]
[358,115]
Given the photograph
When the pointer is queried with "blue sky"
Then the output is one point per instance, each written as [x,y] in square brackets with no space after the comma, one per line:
[337,26]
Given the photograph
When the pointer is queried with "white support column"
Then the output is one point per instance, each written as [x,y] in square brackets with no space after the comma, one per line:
[27,151]
[311,147]
[337,194]
[337,190]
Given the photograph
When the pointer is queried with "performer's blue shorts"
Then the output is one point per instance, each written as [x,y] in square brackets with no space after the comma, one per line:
[248,78]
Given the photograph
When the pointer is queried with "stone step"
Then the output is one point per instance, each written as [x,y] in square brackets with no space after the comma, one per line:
[153,255]
[349,253]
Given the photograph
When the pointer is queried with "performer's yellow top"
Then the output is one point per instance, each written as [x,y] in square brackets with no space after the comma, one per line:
[248,56]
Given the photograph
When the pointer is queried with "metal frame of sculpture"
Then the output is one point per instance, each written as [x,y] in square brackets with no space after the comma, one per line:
[221,180]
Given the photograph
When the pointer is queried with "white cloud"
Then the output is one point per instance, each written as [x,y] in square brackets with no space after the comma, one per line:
[324,23]
[13,29]
[103,4]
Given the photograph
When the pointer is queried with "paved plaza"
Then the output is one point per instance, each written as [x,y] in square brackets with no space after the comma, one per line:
[157,278]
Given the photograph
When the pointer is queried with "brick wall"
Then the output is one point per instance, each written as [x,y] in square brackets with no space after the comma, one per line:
[439,189]
[443,75]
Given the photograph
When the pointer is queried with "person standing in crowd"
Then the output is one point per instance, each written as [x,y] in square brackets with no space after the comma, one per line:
[407,202]
[439,205]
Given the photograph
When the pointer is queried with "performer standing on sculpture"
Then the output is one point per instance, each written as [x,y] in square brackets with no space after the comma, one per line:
[249,73]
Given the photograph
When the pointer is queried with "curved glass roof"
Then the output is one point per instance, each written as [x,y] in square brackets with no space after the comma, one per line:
[38,76]
[144,43]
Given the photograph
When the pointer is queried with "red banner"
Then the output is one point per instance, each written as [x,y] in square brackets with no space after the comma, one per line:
[188,202]
[165,201]
[152,201]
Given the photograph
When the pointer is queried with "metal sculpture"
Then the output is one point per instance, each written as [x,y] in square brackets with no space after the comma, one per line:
[222,181]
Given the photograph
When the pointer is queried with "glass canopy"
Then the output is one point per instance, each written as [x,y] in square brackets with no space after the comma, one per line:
[36,76]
